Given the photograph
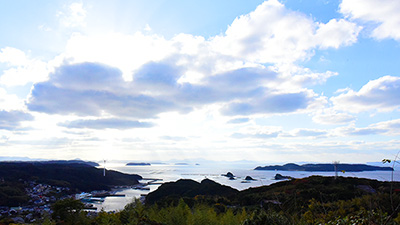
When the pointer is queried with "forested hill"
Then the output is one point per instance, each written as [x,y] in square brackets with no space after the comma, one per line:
[189,188]
[75,161]
[325,167]
[311,200]
[76,176]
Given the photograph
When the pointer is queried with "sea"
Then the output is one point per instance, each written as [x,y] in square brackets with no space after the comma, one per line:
[169,172]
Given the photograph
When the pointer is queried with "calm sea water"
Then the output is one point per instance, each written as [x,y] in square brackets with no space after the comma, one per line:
[173,172]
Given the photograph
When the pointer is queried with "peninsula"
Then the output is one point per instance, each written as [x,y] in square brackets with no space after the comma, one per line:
[325,167]
[71,176]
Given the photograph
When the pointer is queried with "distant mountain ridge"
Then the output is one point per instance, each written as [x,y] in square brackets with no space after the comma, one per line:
[325,167]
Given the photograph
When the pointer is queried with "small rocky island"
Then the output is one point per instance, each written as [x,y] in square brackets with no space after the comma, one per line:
[249,178]
[279,176]
[325,167]
[229,175]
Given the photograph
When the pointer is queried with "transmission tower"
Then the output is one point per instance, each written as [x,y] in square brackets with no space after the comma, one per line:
[335,164]
[104,170]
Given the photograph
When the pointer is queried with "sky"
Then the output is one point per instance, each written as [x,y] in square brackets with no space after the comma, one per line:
[270,81]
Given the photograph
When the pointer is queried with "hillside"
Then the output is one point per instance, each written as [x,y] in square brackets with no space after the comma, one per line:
[189,188]
[77,177]
[285,192]
[311,200]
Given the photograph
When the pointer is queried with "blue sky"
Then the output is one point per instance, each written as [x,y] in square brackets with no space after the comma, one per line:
[270,81]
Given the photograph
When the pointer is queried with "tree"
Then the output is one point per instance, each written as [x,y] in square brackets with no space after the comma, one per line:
[68,211]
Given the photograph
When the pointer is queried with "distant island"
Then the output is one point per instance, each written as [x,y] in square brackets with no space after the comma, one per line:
[138,164]
[325,167]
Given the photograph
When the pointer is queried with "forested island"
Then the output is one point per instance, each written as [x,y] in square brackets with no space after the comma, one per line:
[325,167]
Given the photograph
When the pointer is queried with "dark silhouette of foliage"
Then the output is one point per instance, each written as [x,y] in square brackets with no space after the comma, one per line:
[12,194]
[69,211]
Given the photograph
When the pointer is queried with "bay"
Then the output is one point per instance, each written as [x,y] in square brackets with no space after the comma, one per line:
[170,172]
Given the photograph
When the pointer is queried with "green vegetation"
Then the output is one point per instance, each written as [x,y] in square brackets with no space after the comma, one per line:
[12,194]
[312,200]
[69,212]
[173,191]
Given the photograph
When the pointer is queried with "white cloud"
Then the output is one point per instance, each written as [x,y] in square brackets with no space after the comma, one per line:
[331,116]
[382,94]
[305,132]
[21,68]
[383,14]
[388,128]
[257,132]
[255,135]
[392,127]
[361,131]
[13,57]
[337,33]
[126,52]
[147,28]
[10,102]
[74,15]
[296,77]
[274,34]
[44,27]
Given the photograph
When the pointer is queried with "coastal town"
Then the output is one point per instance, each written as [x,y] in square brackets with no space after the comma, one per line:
[43,196]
